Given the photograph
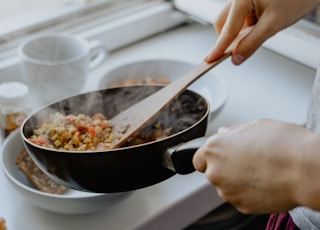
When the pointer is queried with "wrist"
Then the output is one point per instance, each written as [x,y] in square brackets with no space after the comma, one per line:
[306,188]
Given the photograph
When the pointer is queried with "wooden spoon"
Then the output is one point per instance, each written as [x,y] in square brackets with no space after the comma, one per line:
[133,119]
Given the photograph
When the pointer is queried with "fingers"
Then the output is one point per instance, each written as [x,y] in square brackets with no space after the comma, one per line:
[248,45]
[230,22]
[204,155]
[222,18]
[199,162]
[206,152]
[218,50]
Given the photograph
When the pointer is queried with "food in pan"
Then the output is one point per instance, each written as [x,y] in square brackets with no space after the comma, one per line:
[36,177]
[82,133]
[158,132]
[74,132]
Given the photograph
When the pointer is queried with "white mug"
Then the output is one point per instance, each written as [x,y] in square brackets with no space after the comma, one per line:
[56,65]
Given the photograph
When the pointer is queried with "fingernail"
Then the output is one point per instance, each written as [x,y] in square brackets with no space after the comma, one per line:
[238,59]
[207,58]
[208,55]
[212,56]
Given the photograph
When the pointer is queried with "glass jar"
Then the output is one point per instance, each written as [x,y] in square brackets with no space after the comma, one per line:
[14,106]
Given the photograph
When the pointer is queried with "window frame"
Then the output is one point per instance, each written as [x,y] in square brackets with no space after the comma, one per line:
[112,27]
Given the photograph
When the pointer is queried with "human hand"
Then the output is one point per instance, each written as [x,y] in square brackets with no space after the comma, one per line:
[257,167]
[268,18]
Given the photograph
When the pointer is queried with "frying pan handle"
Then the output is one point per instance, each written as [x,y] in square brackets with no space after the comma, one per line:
[181,155]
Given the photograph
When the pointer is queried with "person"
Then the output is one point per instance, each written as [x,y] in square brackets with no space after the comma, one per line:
[266,166]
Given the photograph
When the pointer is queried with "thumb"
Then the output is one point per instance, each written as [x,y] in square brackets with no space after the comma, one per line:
[251,42]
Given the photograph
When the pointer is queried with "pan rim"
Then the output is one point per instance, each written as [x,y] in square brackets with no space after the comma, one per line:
[105,151]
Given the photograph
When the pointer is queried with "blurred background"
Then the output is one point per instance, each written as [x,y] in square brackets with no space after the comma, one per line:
[15,8]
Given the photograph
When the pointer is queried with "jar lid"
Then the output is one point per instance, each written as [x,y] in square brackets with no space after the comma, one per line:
[13,92]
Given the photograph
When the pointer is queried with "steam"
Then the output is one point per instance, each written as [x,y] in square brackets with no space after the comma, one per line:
[178,116]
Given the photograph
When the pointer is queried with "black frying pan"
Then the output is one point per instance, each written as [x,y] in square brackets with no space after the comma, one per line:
[129,167]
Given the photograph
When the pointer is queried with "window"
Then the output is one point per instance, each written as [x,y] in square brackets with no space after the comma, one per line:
[11,9]
[21,18]
[116,23]
[18,15]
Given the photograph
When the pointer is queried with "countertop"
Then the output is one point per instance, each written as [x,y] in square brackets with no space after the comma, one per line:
[266,86]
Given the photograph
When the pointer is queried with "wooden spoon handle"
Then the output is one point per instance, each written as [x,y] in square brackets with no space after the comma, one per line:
[133,119]
[161,98]
[137,116]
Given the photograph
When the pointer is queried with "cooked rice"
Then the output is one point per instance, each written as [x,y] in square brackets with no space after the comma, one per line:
[75,132]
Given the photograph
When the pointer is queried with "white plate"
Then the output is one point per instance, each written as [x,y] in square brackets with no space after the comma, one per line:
[213,88]
[71,202]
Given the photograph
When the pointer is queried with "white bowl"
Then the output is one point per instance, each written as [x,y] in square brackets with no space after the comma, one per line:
[213,88]
[70,202]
